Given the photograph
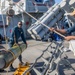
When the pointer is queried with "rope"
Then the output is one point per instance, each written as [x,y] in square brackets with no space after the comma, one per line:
[39,21]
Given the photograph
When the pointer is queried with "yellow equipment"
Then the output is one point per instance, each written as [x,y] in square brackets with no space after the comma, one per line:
[22,68]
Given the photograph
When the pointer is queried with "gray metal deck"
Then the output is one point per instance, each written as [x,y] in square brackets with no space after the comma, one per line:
[34,50]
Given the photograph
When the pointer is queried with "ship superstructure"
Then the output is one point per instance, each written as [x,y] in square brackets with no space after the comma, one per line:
[12,13]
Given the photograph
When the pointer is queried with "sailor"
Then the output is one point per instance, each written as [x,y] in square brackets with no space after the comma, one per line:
[17,32]
[66,31]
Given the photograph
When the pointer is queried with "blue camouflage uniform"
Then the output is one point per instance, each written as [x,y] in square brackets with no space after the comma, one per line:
[16,34]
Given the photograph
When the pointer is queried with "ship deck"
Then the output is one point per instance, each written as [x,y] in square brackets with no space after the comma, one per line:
[33,51]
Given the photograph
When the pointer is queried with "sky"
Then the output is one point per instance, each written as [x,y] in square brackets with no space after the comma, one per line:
[58,1]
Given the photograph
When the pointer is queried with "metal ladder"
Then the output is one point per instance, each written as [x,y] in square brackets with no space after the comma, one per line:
[48,64]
